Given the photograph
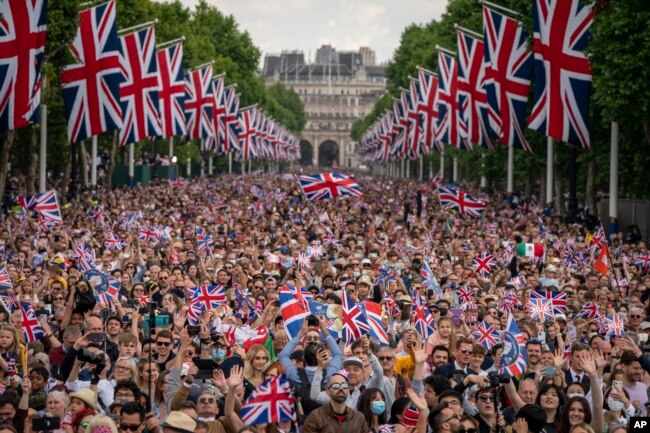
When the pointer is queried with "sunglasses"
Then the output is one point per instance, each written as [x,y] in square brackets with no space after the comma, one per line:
[485,399]
[132,427]
[465,351]
[206,400]
[635,316]
[341,385]
[164,343]
[386,358]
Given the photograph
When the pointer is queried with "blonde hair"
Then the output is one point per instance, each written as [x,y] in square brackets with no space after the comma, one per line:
[582,425]
[249,373]
[101,424]
[452,337]
[14,332]
[61,396]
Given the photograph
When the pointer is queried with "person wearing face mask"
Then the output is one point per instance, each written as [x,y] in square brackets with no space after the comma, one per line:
[372,404]
[618,405]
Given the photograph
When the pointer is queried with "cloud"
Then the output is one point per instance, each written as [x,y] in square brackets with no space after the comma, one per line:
[277,25]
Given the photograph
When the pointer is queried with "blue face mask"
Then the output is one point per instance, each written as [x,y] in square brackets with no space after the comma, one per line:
[357,274]
[218,354]
[378,407]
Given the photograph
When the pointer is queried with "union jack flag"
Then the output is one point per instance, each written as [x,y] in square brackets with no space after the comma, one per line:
[558,299]
[428,106]
[598,239]
[204,240]
[91,88]
[508,253]
[508,70]
[472,97]
[509,301]
[391,305]
[486,335]
[437,179]
[114,242]
[642,261]
[96,212]
[146,234]
[205,298]
[373,314]
[5,280]
[589,311]
[353,321]
[293,313]
[542,228]
[448,122]
[422,319]
[613,325]
[415,121]
[247,133]
[465,295]
[215,142]
[231,142]
[111,293]
[328,185]
[539,309]
[139,90]
[315,250]
[270,403]
[458,200]
[23,26]
[303,260]
[429,280]
[329,240]
[198,103]
[31,327]
[45,204]
[171,96]
[484,263]
[514,357]
[179,182]
[562,70]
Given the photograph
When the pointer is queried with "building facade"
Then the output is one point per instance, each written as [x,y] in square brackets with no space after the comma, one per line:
[336,89]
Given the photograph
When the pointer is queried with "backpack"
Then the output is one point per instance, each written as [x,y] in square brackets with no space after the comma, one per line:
[308,405]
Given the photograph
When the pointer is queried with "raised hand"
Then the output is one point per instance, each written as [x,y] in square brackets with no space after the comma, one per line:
[219,380]
[558,359]
[236,377]
[419,352]
[588,363]
[599,359]
[417,400]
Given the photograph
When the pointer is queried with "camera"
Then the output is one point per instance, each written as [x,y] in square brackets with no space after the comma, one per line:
[46,423]
[497,379]
[85,355]
[193,330]
[312,320]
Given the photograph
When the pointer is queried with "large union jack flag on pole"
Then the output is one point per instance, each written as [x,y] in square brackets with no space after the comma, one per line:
[270,403]
[328,185]
[562,70]
[231,141]
[472,97]
[509,65]
[139,90]
[91,88]
[448,122]
[428,106]
[171,96]
[247,133]
[215,142]
[199,102]
[23,26]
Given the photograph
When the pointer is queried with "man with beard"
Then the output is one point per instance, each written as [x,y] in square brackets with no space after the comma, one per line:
[336,416]
[632,374]
[534,351]
[445,419]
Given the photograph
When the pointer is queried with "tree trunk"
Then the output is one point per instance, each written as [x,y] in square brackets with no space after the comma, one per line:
[32,165]
[6,143]
[83,166]
[67,170]
[111,164]
[590,190]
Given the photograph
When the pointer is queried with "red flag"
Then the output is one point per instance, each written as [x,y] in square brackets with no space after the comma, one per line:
[602,261]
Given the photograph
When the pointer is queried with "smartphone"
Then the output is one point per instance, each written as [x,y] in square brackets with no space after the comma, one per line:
[548,371]
[105,313]
[617,385]
[97,337]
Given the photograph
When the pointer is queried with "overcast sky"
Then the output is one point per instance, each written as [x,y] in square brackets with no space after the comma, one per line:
[277,25]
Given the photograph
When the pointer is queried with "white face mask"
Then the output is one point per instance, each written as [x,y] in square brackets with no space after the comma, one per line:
[615,404]
[575,394]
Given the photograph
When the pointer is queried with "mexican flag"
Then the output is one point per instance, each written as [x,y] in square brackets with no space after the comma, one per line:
[530,250]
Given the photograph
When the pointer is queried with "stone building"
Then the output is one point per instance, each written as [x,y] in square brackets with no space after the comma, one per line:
[336,89]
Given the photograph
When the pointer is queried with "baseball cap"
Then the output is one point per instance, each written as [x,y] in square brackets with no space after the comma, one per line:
[365,280]
[353,360]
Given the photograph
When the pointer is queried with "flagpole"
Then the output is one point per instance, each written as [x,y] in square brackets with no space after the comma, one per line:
[496,6]
[210,165]
[137,27]
[511,167]
[189,167]
[455,171]
[408,168]
[468,31]
[401,169]
[171,147]
[230,163]
[442,162]
[42,160]
[169,43]
[431,169]
[613,180]
[131,163]
[420,173]
[549,171]
[93,162]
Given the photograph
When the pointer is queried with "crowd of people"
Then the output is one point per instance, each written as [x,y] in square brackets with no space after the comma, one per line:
[143,360]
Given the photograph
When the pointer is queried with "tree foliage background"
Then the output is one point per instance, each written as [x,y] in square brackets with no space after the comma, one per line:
[210,36]
[619,51]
